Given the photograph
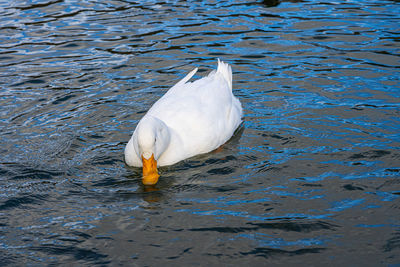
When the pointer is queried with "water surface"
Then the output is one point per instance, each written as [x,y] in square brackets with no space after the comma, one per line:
[311,177]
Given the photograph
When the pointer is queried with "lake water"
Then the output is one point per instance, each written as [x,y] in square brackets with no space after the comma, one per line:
[311,178]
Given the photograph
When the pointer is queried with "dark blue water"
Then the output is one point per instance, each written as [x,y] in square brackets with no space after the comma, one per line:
[311,178]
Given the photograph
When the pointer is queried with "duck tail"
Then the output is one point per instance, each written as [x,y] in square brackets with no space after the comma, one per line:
[187,77]
[226,72]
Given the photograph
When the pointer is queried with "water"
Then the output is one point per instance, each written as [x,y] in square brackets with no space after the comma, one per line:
[311,178]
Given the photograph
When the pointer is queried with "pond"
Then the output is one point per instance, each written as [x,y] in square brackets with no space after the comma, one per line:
[310,178]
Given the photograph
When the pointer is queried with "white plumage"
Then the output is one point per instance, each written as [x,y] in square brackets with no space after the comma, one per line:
[190,119]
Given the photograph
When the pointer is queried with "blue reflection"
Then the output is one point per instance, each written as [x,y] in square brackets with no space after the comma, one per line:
[346,204]
[265,240]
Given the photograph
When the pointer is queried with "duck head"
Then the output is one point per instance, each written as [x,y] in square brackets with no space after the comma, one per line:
[153,138]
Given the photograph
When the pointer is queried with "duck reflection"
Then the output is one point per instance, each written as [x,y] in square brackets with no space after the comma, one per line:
[133,187]
[152,194]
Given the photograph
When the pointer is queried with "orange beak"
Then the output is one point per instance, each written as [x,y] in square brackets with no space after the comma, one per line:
[150,173]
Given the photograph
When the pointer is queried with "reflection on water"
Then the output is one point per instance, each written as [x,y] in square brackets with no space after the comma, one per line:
[311,178]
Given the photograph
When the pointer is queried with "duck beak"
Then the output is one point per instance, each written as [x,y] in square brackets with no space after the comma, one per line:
[150,173]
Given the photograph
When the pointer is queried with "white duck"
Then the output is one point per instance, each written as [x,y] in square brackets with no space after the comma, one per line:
[190,119]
